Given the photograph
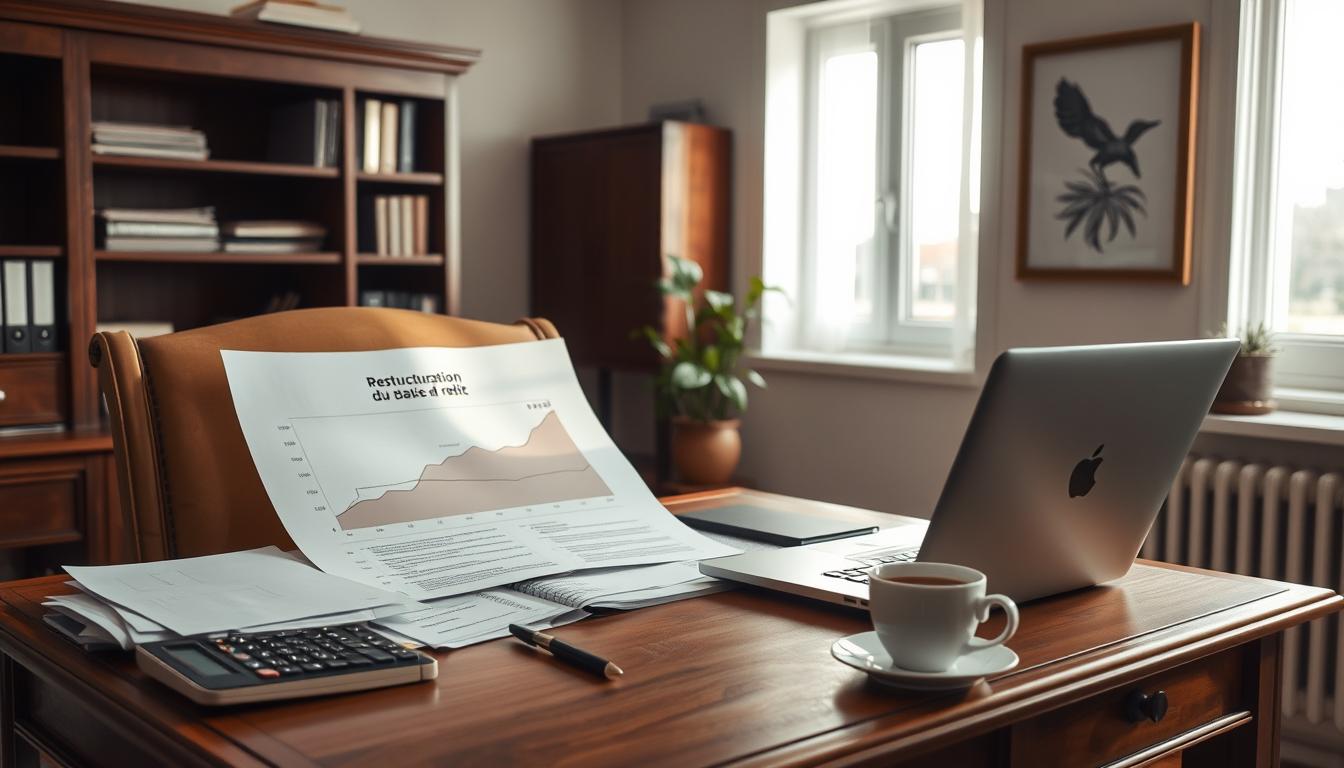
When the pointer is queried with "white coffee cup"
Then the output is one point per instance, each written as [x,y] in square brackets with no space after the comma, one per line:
[926,614]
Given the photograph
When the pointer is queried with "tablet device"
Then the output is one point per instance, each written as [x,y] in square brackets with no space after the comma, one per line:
[787,529]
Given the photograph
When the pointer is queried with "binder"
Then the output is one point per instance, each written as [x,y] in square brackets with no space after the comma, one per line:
[388,155]
[43,278]
[17,336]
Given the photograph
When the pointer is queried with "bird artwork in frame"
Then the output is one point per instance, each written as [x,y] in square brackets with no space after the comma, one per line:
[1107,156]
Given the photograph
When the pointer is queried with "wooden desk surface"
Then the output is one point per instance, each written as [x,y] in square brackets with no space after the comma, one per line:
[742,676]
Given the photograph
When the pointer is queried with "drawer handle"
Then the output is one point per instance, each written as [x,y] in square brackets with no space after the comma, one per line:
[2,395]
[1141,706]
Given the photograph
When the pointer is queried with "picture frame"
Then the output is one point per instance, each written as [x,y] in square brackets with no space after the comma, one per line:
[1107,153]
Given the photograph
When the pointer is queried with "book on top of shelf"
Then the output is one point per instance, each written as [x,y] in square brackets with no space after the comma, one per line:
[274,229]
[133,150]
[311,15]
[406,137]
[149,130]
[373,121]
[158,229]
[188,244]
[202,215]
[387,156]
[307,245]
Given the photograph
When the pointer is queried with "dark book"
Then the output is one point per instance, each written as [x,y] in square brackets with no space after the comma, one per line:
[406,141]
[332,154]
[298,133]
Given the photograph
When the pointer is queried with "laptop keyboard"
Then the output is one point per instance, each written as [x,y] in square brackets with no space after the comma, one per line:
[860,575]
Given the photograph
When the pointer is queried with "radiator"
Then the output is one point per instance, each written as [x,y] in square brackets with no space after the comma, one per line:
[1278,522]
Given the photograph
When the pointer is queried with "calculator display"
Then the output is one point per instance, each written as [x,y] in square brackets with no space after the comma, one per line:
[198,661]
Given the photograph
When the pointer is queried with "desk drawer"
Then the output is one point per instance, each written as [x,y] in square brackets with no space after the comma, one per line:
[42,501]
[1197,693]
[33,390]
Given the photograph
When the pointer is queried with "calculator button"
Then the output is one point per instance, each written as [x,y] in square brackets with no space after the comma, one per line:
[355,660]
[242,656]
[376,655]
[313,667]
[289,670]
[405,654]
[264,654]
[300,659]
[266,673]
[323,656]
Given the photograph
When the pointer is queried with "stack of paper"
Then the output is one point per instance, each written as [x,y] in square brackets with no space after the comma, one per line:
[177,142]
[257,590]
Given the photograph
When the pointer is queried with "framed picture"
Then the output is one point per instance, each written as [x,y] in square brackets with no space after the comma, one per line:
[1106,178]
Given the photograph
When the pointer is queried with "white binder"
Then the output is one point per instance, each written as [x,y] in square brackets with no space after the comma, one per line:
[17,336]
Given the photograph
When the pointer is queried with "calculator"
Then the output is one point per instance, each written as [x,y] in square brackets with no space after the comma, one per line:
[241,667]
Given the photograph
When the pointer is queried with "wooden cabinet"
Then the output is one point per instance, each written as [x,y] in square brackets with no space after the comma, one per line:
[65,64]
[607,206]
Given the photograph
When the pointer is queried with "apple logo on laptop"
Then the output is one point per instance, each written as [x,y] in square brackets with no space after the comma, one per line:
[1085,474]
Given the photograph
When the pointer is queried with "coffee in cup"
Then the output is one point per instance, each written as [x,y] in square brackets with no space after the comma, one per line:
[926,614]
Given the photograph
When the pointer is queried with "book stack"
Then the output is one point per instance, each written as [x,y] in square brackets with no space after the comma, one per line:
[388,141]
[273,236]
[306,132]
[401,225]
[299,13]
[159,229]
[424,302]
[144,140]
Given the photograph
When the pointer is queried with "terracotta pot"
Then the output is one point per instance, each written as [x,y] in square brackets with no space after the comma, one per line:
[1248,388]
[705,452]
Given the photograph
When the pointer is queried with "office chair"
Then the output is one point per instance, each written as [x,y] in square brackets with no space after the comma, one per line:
[186,479]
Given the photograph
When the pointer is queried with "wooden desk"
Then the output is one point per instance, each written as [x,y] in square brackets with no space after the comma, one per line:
[741,677]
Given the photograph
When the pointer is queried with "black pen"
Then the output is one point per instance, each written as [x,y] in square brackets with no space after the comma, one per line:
[566,652]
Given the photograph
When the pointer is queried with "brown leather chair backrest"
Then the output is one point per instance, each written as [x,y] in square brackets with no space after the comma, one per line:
[186,478]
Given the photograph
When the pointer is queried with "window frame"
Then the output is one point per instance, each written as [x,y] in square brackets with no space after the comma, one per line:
[1309,370]
[893,36]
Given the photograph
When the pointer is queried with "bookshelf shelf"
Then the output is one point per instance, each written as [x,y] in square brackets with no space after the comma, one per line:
[31,357]
[418,178]
[373,259]
[217,166]
[219,257]
[31,251]
[29,153]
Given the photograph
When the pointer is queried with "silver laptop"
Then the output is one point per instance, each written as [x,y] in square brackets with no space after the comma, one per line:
[1060,474]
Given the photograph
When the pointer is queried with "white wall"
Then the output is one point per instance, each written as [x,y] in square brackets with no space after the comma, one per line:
[546,67]
[887,444]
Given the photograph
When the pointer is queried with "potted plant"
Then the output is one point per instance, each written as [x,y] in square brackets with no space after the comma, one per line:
[699,385]
[1249,388]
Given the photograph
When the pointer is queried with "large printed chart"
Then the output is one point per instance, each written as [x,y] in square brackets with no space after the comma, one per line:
[436,472]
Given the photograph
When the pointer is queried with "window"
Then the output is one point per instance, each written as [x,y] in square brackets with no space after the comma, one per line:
[1287,267]
[870,203]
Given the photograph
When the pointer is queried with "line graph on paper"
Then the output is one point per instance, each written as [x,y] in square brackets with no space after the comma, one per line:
[381,469]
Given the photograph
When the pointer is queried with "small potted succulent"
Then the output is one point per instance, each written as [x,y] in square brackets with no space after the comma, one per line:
[1249,387]
[699,385]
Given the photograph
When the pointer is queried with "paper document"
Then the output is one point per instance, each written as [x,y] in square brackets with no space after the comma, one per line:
[216,593]
[551,601]
[454,622]
[437,472]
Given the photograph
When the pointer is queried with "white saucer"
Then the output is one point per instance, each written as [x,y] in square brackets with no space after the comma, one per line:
[864,652]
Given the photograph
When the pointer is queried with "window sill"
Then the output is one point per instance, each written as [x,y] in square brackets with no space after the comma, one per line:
[857,365]
[1294,426]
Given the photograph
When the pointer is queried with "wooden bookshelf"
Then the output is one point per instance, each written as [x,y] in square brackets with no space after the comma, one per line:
[218,257]
[417,178]
[427,260]
[29,153]
[244,167]
[31,251]
[66,64]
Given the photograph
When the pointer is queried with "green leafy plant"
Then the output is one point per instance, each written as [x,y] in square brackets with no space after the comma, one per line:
[1256,341]
[1094,201]
[699,377]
